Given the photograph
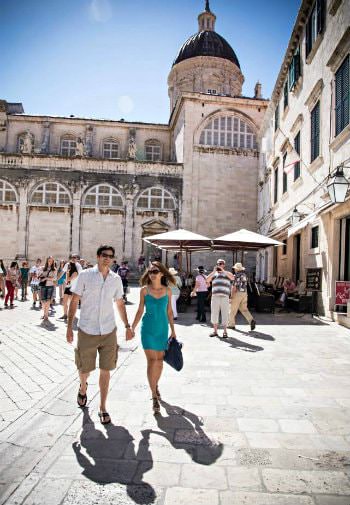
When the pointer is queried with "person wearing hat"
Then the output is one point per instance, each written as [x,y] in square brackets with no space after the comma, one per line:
[175,290]
[239,297]
[200,290]
[220,293]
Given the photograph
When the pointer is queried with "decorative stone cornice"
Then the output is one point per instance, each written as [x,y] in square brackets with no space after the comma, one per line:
[315,94]
[227,150]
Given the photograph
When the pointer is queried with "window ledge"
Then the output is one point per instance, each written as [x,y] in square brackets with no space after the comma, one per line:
[313,252]
[333,6]
[275,206]
[284,196]
[285,112]
[317,163]
[313,51]
[339,140]
[297,86]
[298,182]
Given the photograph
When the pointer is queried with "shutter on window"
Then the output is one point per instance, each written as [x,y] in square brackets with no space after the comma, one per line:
[297,65]
[338,100]
[320,15]
[286,94]
[346,93]
[315,132]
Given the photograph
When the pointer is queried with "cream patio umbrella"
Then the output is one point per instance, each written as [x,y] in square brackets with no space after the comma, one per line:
[245,240]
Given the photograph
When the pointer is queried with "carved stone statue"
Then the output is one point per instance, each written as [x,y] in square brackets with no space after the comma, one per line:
[80,148]
[132,148]
[27,146]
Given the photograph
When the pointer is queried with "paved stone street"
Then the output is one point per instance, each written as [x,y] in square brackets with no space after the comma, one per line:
[261,418]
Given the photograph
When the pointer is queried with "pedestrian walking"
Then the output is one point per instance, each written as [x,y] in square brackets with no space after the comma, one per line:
[24,274]
[123,272]
[61,279]
[18,281]
[239,297]
[115,267]
[12,276]
[200,291]
[73,258]
[47,281]
[2,278]
[34,274]
[220,294]
[175,291]
[155,297]
[71,274]
[97,288]
[141,263]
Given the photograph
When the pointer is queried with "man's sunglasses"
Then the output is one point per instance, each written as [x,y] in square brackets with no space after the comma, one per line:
[105,255]
[154,271]
[221,263]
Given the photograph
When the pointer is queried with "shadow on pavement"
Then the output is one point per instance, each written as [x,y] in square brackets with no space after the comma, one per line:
[241,345]
[256,334]
[184,431]
[110,457]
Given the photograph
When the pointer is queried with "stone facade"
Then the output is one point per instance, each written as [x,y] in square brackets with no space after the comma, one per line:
[198,172]
[304,186]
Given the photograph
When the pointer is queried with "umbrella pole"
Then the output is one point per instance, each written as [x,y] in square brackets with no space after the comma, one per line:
[190,261]
[187,263]
[242,253]
[166,258]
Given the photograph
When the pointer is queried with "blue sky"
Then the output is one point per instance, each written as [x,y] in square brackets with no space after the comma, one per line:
[111,58]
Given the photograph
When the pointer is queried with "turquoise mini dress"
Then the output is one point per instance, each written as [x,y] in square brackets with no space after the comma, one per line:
[155,323]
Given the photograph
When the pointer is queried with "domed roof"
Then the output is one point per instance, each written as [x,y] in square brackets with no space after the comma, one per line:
[207,43]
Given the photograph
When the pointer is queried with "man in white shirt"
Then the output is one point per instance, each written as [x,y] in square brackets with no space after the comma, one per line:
[97,288]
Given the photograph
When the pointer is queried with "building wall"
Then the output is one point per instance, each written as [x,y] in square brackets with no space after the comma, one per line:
[309,192]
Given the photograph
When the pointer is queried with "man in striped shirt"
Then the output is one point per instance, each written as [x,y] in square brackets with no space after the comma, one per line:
[220,294]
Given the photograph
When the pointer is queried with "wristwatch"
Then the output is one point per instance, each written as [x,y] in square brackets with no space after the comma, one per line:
[127,326]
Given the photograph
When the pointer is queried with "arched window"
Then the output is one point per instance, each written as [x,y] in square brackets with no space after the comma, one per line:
[68,146]
[110,149]
[20,141]
[228,131]
[103,195]
[152,150]
[7,193]
[156,199]
[51,193]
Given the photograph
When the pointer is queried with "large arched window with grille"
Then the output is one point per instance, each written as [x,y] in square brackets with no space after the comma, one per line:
[228,131]
[103,195]
[153,150]
[7,193]
[110,149]
[68,145]
[50,193]
[156,199]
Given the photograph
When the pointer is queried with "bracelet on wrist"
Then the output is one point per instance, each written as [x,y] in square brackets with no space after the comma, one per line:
[127,326]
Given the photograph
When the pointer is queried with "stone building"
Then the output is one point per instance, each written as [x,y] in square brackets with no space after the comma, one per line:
[69,183]
[304,138]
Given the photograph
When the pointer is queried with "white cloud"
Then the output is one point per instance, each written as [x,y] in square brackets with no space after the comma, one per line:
[100,10]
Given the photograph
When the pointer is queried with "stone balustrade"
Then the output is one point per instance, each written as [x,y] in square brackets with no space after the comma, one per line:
[54,162]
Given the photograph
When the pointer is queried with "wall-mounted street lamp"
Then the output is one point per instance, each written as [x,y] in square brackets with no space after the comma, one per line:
[295,217]
[338,186]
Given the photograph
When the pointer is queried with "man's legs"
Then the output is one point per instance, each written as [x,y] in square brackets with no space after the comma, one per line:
[215,309]
[235,301]
[104,386]
[224,312]
[83,385]
[243,307]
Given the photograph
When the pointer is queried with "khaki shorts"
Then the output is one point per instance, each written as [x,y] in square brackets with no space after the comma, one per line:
[87,347]
[219,304]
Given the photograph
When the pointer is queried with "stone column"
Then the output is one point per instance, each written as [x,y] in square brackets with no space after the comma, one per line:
[22,227]
[76,220]
[130,192]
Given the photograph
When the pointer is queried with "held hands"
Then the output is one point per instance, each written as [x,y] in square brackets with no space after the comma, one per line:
[129,334]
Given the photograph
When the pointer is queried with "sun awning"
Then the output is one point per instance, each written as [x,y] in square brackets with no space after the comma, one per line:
[307,220]
[244,239]
[179,239]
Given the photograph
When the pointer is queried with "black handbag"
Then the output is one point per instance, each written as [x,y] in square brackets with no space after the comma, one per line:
[173,355]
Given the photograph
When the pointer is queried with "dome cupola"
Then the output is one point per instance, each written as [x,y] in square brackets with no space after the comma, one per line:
[206,63]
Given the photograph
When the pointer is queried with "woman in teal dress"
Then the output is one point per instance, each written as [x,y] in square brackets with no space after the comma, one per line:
[155,297]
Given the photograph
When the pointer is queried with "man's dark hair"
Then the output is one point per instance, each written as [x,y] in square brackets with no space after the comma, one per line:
[105,248]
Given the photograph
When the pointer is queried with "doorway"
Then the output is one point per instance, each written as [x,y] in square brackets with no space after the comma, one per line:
[296,257]
[344,250]
[152,228]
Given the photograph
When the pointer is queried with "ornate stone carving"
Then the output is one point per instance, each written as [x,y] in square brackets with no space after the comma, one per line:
[44,148]
[28,144]
[88,140]
[80,148]
[132,144]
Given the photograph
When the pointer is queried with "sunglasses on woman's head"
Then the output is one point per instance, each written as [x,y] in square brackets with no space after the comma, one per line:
[105,255]
[154,271]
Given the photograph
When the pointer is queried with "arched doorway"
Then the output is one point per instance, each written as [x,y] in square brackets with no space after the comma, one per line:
[152,228]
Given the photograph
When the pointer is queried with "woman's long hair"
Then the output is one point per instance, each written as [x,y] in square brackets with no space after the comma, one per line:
[3,267]
[52,267]
[72,269]
[166,279]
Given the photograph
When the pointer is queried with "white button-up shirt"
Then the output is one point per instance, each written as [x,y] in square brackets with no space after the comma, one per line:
[97,296]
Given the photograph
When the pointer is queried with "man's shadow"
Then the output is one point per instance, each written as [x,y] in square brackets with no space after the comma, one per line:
[183,430]
[110,458]
[256,334]
[240,344]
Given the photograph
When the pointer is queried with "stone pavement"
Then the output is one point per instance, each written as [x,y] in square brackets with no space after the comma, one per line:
[261,418]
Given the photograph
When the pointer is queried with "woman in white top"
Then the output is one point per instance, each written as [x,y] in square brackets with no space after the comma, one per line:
[48,279]
[200,290]
[175,290]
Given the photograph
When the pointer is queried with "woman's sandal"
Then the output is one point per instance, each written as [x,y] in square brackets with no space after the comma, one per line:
[156,406]
[214,334]
[158,393]
[102,416]
[82,399]
[225,335]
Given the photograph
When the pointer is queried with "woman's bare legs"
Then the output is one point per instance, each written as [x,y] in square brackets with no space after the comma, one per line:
[154,369]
